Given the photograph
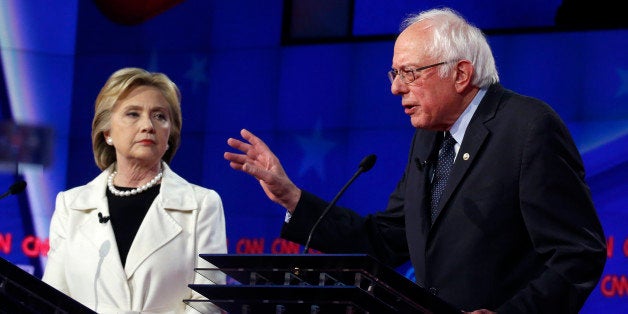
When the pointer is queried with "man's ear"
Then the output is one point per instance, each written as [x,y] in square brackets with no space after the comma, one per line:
[464,72]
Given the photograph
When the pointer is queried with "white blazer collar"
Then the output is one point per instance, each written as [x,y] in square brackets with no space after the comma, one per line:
[175,192]
[158,227]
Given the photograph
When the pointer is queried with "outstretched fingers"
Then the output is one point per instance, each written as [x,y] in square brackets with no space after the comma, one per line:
[255,158]
[255,141]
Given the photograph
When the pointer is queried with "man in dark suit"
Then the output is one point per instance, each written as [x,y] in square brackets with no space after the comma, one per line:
[507,224]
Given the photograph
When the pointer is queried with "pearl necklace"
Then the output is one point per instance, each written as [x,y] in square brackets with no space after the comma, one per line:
[138,190]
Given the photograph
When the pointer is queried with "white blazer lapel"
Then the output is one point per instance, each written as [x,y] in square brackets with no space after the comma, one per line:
[102,238]
[158,227]
[92,201]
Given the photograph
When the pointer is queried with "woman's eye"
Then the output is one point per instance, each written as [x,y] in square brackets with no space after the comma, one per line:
[132,114]
[160,116]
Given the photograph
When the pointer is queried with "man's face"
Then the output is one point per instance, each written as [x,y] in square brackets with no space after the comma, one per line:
[429,100]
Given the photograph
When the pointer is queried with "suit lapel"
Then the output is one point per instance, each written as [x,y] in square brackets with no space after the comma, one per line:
[91,201]
[102,238]
[475,135]
[426,148]
[466,156]
[159,227]
[424,151]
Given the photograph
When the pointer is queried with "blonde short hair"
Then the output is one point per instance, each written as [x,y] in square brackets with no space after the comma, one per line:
[117,87]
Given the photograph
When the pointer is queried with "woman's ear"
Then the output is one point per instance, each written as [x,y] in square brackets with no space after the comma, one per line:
[107,138]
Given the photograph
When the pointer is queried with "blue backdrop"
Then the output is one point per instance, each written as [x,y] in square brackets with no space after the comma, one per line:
[316,92]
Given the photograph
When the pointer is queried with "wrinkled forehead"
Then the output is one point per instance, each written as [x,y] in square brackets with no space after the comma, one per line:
[142,97]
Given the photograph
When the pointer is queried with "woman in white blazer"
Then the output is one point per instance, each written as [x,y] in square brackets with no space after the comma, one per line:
[129,240]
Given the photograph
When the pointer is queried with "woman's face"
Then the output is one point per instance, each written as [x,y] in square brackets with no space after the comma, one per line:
[140,127]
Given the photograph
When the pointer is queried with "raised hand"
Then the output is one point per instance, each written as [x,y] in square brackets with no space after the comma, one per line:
[260,162]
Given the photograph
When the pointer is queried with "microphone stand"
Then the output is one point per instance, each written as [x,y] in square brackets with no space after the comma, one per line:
[365,165]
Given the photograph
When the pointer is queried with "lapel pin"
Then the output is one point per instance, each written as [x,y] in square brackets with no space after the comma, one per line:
[465,156]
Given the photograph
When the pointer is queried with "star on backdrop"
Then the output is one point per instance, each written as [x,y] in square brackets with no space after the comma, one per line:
[197,72]
[315,148]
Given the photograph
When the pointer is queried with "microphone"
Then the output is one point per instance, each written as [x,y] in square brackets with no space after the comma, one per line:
[103,219]
[365,165]
[15,188]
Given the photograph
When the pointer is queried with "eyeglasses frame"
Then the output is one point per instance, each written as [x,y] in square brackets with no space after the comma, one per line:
[393,73]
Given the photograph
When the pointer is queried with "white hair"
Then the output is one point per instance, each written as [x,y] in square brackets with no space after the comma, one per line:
[453,38]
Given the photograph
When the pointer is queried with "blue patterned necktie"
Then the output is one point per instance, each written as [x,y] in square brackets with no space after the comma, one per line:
[441,173]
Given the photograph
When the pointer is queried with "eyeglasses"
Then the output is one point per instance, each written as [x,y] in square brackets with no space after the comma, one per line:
[408,76]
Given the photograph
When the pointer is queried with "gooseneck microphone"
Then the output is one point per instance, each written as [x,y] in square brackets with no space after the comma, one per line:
[365,165]
[15,188]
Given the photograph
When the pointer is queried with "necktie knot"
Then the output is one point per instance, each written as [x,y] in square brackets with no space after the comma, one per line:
[448,144]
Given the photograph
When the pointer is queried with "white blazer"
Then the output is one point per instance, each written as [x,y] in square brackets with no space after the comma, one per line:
[184,221]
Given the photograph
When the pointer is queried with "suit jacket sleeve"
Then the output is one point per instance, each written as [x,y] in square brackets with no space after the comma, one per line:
[381,235]
[210,237]
[54,273]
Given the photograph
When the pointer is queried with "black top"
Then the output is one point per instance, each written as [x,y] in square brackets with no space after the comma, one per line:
[127,213]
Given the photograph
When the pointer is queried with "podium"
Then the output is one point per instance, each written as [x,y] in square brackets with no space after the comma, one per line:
[313,283]
[21,292]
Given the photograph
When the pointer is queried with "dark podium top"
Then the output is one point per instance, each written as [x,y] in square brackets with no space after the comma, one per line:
[313,283]
[21,292]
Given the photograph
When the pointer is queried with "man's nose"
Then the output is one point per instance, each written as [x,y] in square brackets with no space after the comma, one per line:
[397,87]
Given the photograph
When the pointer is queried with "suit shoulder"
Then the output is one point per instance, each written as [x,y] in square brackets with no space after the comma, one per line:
[200,190]
[75,192]
[528,105]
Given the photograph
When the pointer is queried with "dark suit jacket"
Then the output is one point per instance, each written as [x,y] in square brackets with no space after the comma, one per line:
[517,230]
